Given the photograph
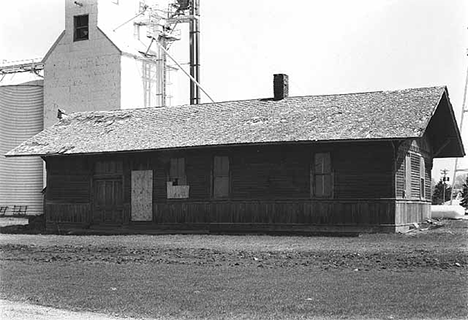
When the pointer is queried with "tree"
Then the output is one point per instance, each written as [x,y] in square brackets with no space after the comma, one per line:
[459,181]
[438,194]
[464,200]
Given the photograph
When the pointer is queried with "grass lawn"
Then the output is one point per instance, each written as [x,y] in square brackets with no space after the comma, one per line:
[422,275]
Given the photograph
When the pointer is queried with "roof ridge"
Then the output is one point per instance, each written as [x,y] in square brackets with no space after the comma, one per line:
[253,100]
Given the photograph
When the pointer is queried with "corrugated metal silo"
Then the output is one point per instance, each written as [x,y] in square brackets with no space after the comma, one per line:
[21,116]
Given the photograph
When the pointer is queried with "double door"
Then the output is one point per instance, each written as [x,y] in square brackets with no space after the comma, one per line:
[108,201]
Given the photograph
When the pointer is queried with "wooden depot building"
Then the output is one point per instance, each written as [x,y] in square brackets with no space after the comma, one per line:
[357,162]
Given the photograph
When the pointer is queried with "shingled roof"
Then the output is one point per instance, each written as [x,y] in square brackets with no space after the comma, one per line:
[378,115]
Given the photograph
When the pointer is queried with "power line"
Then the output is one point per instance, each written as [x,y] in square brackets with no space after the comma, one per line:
[188,75]
[464,110]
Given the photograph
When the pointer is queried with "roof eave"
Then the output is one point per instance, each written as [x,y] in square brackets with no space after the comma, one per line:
[52,48]
[456,143]
[56,154]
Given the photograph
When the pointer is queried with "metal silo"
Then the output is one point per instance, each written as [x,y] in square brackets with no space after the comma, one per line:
[21,116]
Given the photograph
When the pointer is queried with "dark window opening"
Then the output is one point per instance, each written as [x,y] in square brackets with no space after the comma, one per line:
[81,28]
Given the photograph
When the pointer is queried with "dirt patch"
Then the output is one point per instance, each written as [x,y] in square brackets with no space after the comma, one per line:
[418,258]
[420,248]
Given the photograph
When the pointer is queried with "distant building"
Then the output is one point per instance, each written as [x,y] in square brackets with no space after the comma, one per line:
[21,117]
[98,61]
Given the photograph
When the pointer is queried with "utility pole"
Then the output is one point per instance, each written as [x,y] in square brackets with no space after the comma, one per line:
[464,110]
[194,37]
[444,173]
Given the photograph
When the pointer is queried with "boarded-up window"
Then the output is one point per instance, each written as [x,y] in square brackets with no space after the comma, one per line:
[408,176]
[422,178]
[177,181]
[221,177]
[321,177]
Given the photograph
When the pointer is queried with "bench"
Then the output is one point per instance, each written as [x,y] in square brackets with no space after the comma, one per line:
[20,210]
[3,211]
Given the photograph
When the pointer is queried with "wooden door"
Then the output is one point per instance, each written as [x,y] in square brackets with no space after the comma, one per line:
[142,195]
[108,201]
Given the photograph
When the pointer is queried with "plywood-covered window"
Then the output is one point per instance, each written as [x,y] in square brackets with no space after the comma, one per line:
[142,195]
[322,175]
[177,186]
[422,175]
[221,177]
[81,28]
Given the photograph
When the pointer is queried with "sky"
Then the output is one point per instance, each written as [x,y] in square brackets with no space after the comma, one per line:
[326,47]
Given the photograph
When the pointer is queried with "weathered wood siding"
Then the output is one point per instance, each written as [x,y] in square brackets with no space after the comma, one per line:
[267,185]
[417,149]
[411,211]
[68,212]
[364,171]
[321,212]
[415,206]
[283,172]
[68,180]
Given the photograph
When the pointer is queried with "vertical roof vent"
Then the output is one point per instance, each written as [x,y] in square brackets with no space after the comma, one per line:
[280,86]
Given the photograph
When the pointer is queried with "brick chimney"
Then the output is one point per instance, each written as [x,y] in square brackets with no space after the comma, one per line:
[280,86]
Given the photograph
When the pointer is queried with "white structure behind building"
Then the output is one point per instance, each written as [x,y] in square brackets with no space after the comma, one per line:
[104,67]
[21,109]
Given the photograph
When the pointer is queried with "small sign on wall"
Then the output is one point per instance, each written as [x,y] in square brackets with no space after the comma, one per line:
[177,192]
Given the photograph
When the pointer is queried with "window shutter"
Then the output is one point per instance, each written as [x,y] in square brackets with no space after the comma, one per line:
[221,176]
[408,176]
[422,174]
[322,175]
[177,171]
[173,169]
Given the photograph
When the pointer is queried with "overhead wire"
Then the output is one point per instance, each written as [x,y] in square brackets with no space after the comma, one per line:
[183,70]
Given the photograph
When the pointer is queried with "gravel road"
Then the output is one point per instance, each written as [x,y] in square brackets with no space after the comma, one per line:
[23,311]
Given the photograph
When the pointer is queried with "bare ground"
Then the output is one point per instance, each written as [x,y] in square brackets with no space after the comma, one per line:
[431,257]
[442,247]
